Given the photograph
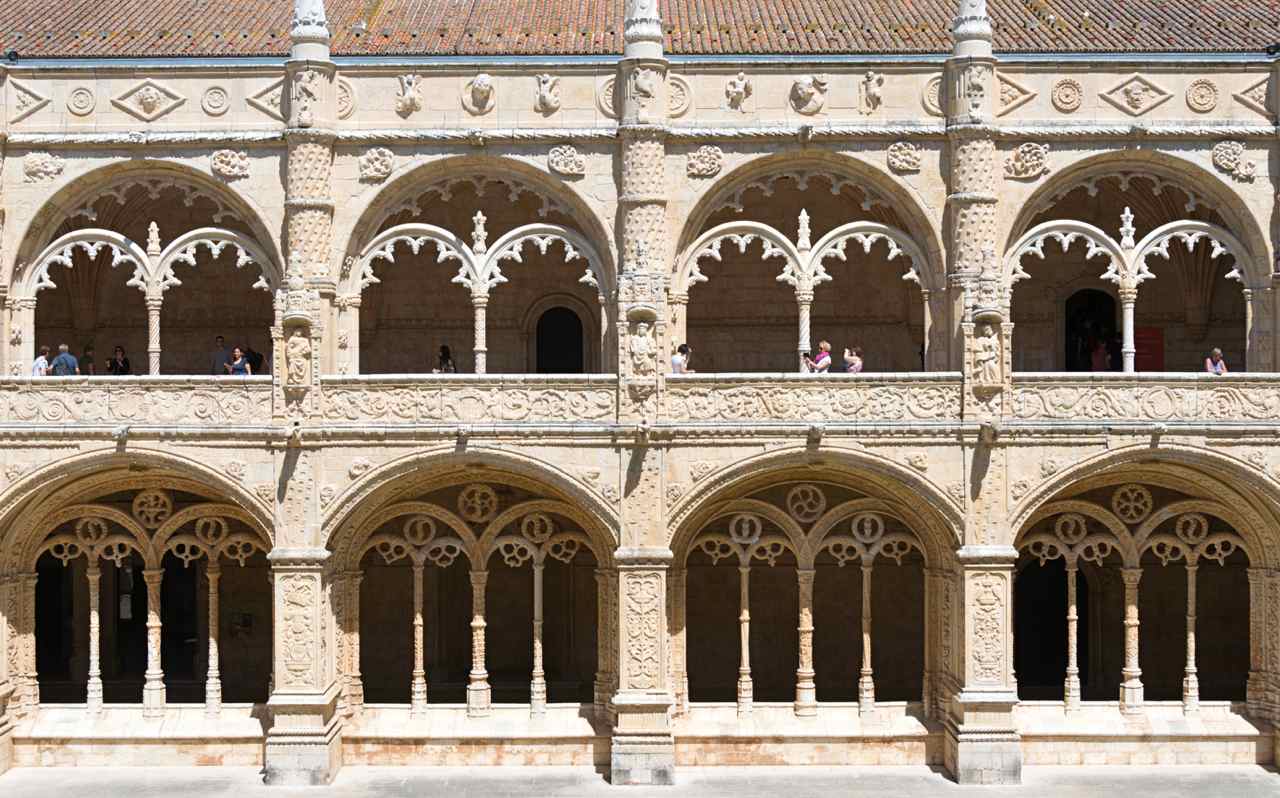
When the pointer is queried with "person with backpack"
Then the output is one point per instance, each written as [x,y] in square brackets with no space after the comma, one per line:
[65,364]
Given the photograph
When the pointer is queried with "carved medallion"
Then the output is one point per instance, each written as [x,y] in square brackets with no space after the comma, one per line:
[566,160]
[1136,95]
[229,164]
[81,101]
[376,165]
[809,94]
[705,162]
[148,100]
[1202,95]
[904,157]
[1027,162]
[1229,157]
[480,94]
[1068,95]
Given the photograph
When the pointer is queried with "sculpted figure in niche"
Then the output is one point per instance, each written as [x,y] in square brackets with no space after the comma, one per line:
[298,359]
[643,352]
[987,356]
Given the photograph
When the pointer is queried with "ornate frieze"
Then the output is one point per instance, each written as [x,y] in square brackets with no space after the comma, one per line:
[498,401]
[204,401]
[1169,399]
[752,399]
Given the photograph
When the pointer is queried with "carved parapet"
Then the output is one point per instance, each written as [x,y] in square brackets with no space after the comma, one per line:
[161,401]
[469,399]
[901,398]
[1191,398]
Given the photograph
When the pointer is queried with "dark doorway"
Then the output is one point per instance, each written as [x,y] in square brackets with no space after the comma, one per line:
[1092,340]
[1040,630]
[559,347]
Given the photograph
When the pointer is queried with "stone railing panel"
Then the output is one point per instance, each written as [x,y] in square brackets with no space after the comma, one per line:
[846,398]
[1155,397]
[203,401]
[470,399]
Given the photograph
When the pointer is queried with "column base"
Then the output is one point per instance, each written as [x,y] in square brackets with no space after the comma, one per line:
[806,705]
[478,700]
[153,700]
[1131,698]
[6,727]
[304,743]
[643,750]
[984,747]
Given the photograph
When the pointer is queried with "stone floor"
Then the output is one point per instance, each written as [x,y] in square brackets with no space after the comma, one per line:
[901,782]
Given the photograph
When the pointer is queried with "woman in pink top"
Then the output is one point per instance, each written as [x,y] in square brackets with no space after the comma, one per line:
[1214,364]
[822,363]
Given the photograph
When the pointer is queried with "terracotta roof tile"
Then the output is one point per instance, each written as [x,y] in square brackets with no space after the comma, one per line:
[67,28]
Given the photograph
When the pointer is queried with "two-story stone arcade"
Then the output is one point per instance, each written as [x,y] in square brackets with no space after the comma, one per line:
[1040,525]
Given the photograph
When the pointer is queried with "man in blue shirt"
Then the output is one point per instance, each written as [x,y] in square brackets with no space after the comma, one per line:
[65,364]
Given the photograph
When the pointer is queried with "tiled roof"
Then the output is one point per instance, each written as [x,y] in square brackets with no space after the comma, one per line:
[65,28]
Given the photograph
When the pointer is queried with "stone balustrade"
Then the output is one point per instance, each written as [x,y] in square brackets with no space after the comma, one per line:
[1165,397]
[186,401]
[593,399]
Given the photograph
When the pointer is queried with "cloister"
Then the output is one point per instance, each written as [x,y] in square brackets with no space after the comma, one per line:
[979,552]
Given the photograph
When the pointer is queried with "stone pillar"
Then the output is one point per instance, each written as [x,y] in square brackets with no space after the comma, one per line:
[8,647]
[1131,687]
[93,691]
[22,335]
[1128,348]
[806,690]
[304,744]
[538,682]
[213,681]
[1256,689]
[603,686]
[310,111]
[746,690]
[643,748]
[866,678]
[479,307]
[153,689]
[29,684]
[1071,687]
[478,697]
[355,685]
[1190,683]
[982,744]
[804,301]
[418,685]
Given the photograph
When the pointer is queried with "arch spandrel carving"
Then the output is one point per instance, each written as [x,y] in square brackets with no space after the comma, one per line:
[837,170]
[73,202]
[1211,483]
[401,194]
[1170,169]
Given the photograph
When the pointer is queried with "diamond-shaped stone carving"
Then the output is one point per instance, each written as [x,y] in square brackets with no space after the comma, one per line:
[26,101]
[148,100]
[269,100]
[1255,97]
[1012,94]
[1135,95]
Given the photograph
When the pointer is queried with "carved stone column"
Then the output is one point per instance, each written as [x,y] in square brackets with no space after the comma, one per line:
[603,687]
[478,697]
[418,686]
[806,690]
[22,335]
[304,743]
[538,682]
[746,690]
[1128,348]
[982,745]
[213,680]
[310,110]
[1071,687]
[153,694]
[643,749]
[355,685]
[93,691]
[678,580]
[8,649]
[1259,679]
[1190,683]
[866,678]
[479,309]
[1131,687]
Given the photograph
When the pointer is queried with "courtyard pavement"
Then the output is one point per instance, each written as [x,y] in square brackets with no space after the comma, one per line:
[726,782]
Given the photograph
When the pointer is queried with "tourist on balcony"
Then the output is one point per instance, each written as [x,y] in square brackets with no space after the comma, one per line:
[220,357]
[40,368]
[1099,360]
[822,363]
[239,365]
[65,364]
[1214,364]
[853,360]
[87,365]
[680,360]
[118,365]
[444,363]
[255,359]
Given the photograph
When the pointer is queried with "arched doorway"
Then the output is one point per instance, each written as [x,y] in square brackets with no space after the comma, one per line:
[560,343]
[1092,343]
